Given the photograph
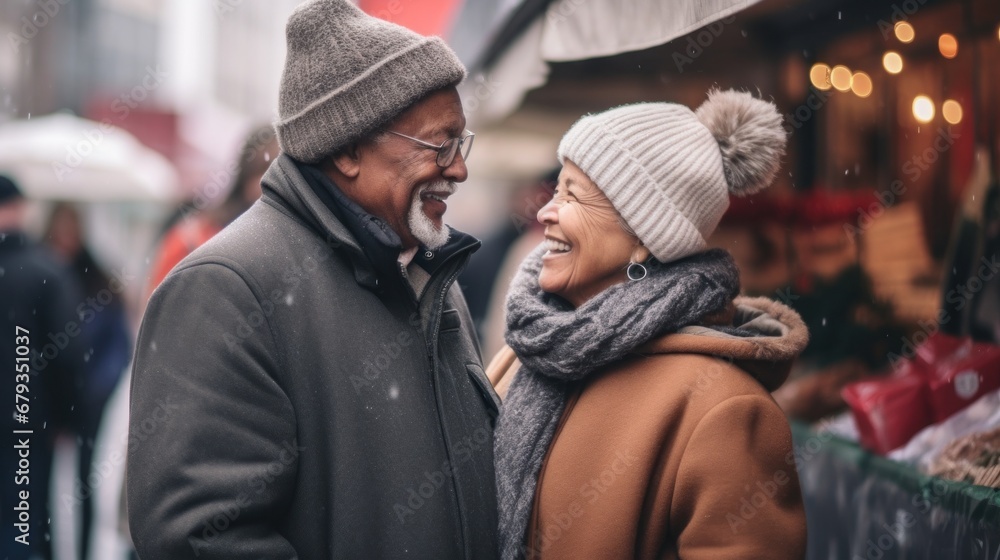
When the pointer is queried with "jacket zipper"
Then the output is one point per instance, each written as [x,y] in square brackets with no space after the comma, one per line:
[430,347]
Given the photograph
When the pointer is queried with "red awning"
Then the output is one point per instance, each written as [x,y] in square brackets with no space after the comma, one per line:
[427,17]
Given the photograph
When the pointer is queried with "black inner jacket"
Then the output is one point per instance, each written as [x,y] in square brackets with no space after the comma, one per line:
[380,244]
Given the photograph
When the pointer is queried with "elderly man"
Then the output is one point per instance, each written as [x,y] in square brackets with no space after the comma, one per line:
[307,384]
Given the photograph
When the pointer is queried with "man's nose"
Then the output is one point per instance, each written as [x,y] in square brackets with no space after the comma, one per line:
[457,172]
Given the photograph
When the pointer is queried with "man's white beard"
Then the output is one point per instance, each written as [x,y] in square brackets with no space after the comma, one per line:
[421,226]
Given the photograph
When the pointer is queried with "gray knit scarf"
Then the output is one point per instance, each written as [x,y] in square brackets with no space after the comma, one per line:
[558,345]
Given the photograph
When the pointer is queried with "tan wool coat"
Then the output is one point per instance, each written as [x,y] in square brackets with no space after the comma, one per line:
[678,451]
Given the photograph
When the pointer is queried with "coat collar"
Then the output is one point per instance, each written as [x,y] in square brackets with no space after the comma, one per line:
[372,245]
[764,337]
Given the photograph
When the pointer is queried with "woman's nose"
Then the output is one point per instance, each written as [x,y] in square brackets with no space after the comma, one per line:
[548,214]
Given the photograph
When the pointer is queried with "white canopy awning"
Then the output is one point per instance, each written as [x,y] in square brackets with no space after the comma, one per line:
[582,29]
[569,30]
[64,157]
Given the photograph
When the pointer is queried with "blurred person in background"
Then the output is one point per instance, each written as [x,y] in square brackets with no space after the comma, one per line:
[495,322]
[106,326]
[637,411]
[39,299]
[483,273]
[190,231]
[314,364]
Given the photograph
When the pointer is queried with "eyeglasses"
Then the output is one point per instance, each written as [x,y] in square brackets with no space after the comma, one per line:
[447,150]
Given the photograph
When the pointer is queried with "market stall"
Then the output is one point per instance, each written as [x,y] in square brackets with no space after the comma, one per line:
[883,231]
[861,505]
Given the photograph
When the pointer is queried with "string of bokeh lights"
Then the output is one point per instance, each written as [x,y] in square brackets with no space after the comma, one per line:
[841,78]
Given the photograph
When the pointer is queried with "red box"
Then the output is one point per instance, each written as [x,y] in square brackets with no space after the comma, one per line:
[945,375]
[889,411]
[939,347]
[963,377]
[919,361]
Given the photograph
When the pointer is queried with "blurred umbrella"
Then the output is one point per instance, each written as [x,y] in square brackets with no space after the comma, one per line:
[63,157]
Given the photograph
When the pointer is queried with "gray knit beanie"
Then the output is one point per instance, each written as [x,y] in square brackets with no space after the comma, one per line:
[347,74]
[669,171]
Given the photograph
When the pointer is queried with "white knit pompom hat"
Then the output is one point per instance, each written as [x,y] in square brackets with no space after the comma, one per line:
[669,171]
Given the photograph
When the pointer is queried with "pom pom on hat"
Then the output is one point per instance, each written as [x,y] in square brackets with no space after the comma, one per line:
[750,136]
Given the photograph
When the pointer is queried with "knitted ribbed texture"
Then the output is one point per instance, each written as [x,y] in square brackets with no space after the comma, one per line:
[347,74]
[660,167]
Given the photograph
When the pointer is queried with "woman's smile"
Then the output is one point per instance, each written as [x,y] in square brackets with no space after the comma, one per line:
[556,247]
[587,249]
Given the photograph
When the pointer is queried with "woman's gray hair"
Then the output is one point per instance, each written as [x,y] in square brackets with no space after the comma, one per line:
[628,229]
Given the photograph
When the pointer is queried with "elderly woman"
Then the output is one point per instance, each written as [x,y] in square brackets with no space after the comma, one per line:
[637,420]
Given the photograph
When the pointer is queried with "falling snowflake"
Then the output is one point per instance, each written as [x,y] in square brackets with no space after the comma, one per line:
[393,392]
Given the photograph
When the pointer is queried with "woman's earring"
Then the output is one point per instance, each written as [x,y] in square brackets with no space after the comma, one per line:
[636,271]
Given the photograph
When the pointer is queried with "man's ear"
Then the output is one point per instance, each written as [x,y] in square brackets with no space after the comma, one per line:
[347,161]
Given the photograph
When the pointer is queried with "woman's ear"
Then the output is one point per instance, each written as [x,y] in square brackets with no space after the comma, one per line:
[347,161]
[640,254]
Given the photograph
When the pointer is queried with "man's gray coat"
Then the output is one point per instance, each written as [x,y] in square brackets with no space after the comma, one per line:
[292,398]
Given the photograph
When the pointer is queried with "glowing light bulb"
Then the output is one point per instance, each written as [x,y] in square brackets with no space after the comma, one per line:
[948,45]
[840,77]
[819,76]
[923,109]
[892,62]
[904,31]
[861,84]
[951,110]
